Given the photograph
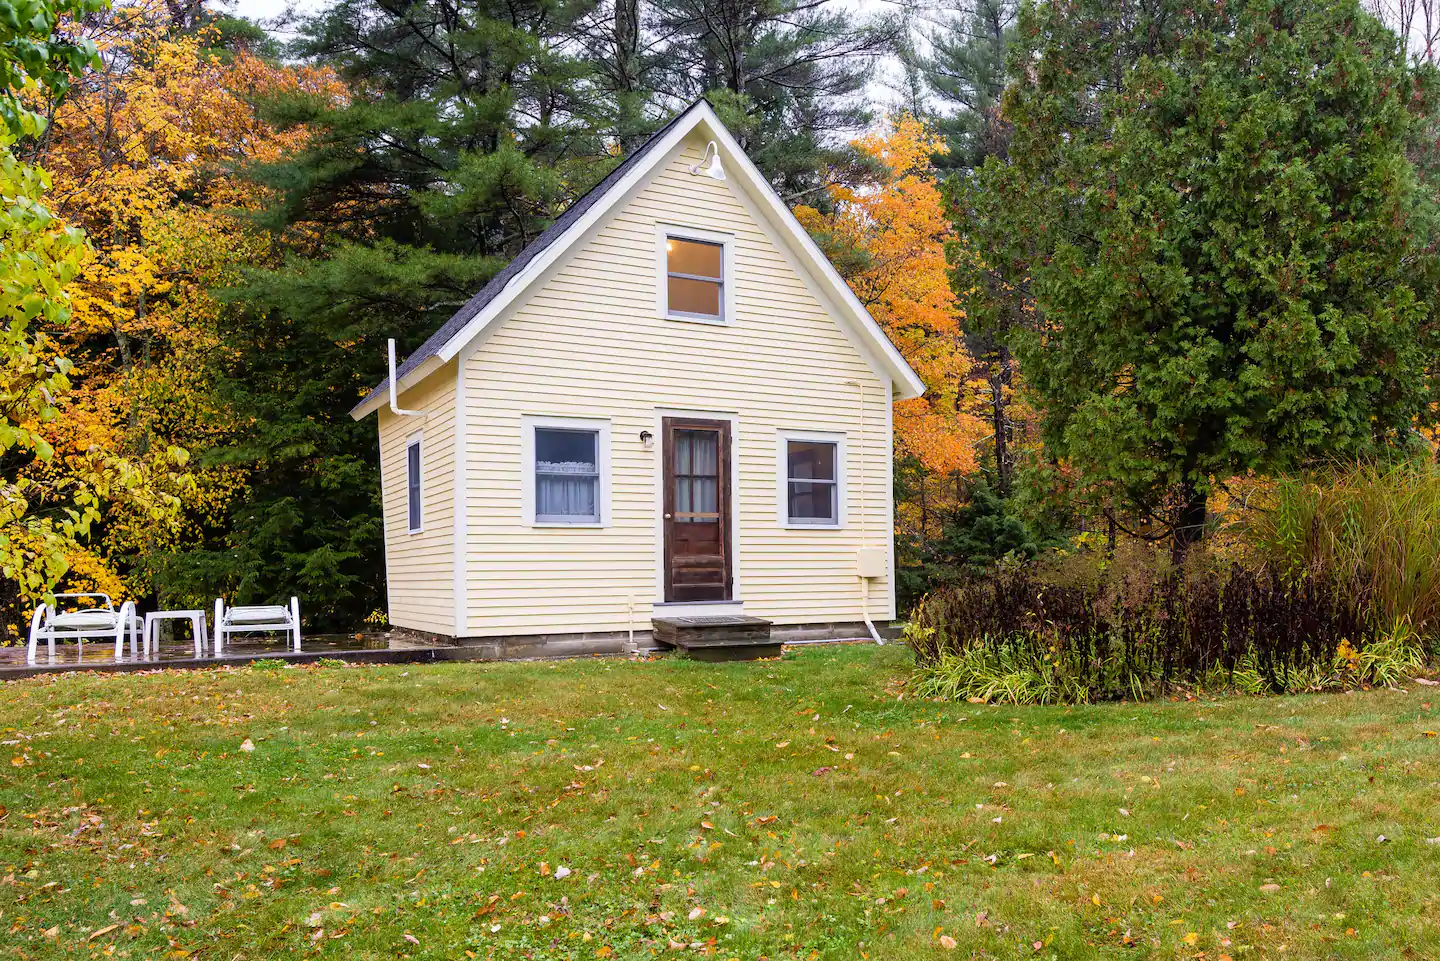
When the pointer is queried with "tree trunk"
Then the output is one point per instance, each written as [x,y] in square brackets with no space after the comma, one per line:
[1189,521]
[924,514]
[999,381]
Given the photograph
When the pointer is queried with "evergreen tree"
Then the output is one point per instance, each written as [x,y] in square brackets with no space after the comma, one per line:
[1214,214]
[966,71]
[788,77]
[470,124]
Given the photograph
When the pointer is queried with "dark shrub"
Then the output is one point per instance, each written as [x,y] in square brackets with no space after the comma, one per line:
[1134,633]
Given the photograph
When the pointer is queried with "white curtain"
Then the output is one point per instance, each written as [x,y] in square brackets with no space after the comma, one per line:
[560,496]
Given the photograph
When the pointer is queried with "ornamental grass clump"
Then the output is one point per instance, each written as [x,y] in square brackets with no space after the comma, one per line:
[1015,637]
[1375,525]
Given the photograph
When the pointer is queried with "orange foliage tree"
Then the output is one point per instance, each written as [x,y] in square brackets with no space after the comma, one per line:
[888,238]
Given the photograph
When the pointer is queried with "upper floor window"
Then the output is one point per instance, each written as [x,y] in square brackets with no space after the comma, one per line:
[696,275]
[414,509]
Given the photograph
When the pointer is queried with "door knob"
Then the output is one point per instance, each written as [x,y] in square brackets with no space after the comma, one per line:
[667,517]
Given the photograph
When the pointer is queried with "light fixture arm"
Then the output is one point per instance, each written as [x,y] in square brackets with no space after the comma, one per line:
[711,152]
[709,165]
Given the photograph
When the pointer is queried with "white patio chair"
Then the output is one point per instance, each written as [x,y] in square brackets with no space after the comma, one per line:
[49,624]
[263,618]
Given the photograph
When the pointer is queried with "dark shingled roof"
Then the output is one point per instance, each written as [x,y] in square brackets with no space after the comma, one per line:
[437,341]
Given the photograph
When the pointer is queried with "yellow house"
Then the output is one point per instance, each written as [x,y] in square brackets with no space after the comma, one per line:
[668,405]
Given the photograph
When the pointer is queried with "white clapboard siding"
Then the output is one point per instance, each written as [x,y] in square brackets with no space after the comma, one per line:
[419,567]
[588,342]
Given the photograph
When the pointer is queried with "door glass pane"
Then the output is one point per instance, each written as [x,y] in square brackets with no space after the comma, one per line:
[694,296]
[707,454]
[812,460]
[705,495]
[682,452]
[694,257]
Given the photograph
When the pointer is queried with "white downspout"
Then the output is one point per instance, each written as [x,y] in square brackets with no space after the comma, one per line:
[394,397]
[862,560]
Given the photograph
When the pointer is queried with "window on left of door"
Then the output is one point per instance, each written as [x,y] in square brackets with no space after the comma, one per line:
[567,476]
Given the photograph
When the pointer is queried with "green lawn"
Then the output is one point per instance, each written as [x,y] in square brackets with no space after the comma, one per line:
[793,808]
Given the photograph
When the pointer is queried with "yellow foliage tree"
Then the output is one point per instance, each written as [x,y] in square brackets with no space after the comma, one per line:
[143,154]
[49,499]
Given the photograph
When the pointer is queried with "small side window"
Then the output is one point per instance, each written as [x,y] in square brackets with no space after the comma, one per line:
[414,508]
[812,482]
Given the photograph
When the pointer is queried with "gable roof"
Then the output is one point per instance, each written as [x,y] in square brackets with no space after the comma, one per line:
[553,242]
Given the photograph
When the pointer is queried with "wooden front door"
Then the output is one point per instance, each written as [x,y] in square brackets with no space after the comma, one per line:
[697,509]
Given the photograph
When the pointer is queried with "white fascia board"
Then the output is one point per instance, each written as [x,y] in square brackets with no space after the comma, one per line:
[908,384]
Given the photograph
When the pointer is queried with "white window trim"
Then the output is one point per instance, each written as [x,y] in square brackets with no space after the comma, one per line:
[415,440]
[664,232]
[782,477]
[529,423]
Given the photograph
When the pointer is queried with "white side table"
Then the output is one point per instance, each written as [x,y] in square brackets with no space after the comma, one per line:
[197,627]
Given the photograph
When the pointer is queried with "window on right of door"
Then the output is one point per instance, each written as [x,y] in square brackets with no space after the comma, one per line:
[812,482]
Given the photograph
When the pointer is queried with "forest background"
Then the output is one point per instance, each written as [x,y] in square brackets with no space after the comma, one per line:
[1147,258]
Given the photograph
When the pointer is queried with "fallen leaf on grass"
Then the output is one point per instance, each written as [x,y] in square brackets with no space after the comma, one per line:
[947,942]
[103,931]
[411,938]
[1269,888]
[821,771]
[247,745]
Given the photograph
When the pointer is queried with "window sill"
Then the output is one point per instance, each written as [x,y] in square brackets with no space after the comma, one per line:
[414,530]
[568,525]
[689,319]
[790,526]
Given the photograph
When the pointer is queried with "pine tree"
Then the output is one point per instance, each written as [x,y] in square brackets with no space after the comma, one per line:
[471,124]
[787,76]
[966,71]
